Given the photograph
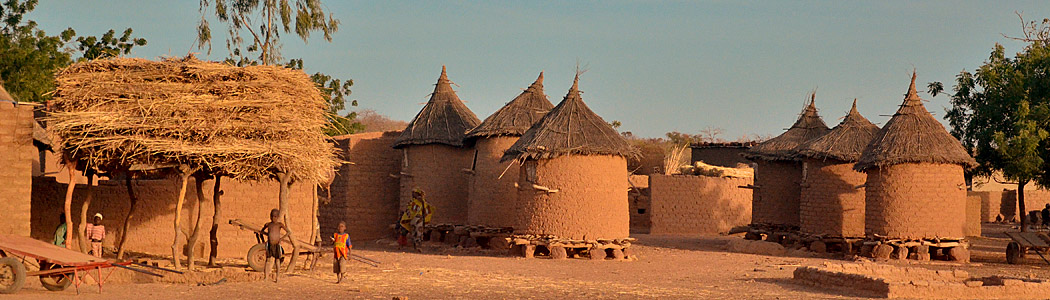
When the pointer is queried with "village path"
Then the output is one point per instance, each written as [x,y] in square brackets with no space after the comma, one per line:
[668,268]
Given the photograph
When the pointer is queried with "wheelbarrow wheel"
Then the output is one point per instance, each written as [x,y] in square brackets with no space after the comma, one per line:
[257,257]
[12,275]
[54,282]
[1014,253]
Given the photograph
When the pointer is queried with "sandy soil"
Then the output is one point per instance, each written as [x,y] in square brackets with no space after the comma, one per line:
[667,267]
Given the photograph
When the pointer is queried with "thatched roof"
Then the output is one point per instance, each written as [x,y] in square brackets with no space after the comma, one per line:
[246,123]
[444,120]
[517,116]
[570,128]
[845,142]
[912,135]
[808,126]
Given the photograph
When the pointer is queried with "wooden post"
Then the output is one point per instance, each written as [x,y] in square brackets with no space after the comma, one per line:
[285,181]
[215,219]
[72,168]
[127,218]
[82,228]
[315,229]
[1020,204]
[191,242]
[184,176]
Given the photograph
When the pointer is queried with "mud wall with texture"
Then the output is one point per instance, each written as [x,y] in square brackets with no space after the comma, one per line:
[687,204]
[438,170]
[590,202]
[832,204]
[151,225]
[364,194]
[776,199]
[916,201]
[492,197]
[17,154]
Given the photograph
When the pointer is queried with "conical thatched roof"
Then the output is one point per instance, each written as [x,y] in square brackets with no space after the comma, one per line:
[912,135]
[570,128]
[517,116]
[808,126]
[845,142]
[444,120]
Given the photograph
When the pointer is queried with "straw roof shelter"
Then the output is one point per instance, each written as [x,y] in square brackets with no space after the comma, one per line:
[845,142]
[784,147]
[245,123]
[518,115]
[913,135]
[444,119]
[570,128]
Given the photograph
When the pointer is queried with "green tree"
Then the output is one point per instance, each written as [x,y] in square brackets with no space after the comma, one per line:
[1000,112]
[31,56]
[264,21]
[334,91]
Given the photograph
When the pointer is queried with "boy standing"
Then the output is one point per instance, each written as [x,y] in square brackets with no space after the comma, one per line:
[96,232]
[274,253]
[342,252]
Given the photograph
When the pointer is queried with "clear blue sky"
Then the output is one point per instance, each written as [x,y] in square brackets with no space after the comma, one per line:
[656,66]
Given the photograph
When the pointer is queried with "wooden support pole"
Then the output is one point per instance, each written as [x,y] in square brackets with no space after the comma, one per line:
[285,180]
[191,242]
[127,218]
[82,228]
[215,219]
[72,168]
[184,177]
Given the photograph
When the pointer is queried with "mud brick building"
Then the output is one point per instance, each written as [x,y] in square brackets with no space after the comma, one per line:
[832,202]
[434,156]
[915,186]
[492,192]
[778,171]
[573,176]
[19,155]
[364,193]
[720,154]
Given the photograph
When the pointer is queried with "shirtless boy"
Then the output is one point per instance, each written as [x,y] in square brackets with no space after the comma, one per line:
[274,253]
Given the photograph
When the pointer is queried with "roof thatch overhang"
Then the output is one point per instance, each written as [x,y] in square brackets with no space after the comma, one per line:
[845,142]
[444,119]
[571,128]
[517,116]
[913,135]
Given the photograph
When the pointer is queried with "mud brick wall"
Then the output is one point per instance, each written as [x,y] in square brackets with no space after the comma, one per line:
[831,204]
[884,281]
[972,227]
[686,204]
[16,158]
[151,230]
[363,193]
[1033,200]
[991,203]
[916,201]
[437,169]
[639,203]
[719,156]
[492,197]
[591,202]
[776,200]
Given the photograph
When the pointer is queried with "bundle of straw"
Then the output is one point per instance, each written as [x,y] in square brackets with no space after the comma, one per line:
[246,123]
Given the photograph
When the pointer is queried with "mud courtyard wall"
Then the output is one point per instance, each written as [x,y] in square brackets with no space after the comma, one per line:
[18,154]
[364,193]
[687,204]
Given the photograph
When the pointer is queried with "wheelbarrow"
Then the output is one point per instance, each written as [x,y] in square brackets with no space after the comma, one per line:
[58,267]
[1024,242]
[257,254]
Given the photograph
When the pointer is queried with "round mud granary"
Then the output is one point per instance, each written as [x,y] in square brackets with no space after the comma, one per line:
[573,176]
[778,171]
[434,156]
[492,192]
[915,186]
[832,203]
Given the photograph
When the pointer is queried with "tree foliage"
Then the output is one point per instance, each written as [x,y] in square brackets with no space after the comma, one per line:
[264,21]
[31,56]
[334,91]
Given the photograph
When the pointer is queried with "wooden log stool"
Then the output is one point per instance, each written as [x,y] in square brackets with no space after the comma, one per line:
[558,252]
[596,253]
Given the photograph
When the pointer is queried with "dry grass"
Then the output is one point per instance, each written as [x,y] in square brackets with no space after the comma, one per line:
[674,159]
[246,123]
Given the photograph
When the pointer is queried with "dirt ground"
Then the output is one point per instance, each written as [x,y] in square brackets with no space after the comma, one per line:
[667,267]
